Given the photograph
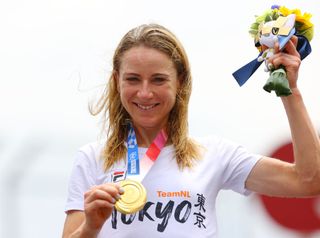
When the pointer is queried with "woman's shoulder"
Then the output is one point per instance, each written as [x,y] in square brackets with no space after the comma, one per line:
[94,146]
[215,142]
[207,140]
[90,152]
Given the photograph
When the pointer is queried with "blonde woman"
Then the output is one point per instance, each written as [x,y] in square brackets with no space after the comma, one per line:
[146,98]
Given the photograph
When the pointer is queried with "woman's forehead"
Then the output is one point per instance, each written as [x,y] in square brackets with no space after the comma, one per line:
[142,56]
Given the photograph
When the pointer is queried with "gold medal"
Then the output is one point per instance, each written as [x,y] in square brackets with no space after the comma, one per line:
[133,198]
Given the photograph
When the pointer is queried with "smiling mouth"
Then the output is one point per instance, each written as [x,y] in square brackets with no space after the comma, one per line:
[146,107]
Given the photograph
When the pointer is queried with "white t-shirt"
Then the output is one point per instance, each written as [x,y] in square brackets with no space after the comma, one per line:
[181,203]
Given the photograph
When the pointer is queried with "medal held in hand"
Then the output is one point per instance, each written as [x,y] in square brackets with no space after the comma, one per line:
[135,195]
[278,24]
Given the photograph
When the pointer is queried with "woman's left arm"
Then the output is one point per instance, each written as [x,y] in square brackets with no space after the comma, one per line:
[302,178]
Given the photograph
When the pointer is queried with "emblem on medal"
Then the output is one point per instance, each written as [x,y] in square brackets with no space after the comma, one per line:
[134,197]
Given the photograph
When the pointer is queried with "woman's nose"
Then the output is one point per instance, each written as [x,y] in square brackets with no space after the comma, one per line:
[145,91]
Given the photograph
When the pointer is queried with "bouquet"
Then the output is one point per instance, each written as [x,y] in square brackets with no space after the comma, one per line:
[277,24]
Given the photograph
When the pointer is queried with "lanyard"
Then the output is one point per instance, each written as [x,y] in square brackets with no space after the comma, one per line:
[150,156]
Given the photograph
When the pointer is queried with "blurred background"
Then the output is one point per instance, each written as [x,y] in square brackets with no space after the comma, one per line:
[55,57]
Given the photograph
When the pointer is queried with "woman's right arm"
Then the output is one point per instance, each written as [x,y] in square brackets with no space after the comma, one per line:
[98,205]
[73,224]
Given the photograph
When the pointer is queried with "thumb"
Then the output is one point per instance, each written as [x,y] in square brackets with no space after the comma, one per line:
[290,47]
[294,40]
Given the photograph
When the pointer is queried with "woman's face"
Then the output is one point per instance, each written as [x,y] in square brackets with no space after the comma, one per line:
[147,83]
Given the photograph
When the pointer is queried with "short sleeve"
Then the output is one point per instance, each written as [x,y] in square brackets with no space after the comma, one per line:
[81,180]
[238,163]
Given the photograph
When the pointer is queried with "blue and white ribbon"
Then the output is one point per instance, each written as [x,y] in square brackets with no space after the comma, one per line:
[133,155]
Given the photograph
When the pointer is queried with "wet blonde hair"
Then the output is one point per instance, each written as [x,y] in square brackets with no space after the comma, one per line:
[109,104]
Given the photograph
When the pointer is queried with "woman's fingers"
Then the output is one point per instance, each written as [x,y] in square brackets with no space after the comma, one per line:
[286,60]
[291,47]
[289,56]
[107,192]
[98,204]
[99,194]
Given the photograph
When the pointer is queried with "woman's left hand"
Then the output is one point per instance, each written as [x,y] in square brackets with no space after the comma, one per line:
[289,57]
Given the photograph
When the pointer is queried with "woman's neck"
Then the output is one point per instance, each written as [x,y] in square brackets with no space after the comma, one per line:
[145,136]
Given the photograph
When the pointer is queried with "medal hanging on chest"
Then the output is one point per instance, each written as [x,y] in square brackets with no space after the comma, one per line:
[135,195]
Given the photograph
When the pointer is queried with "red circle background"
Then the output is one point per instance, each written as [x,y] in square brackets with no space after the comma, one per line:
[293,213]
[298,214]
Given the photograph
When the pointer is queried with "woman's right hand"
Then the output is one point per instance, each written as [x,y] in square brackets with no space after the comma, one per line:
[98,205]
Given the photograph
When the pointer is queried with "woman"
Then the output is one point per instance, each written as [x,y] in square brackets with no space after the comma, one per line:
[148,93]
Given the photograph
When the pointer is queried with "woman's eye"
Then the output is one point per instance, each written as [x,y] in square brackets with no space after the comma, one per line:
[159,80]
[132,79]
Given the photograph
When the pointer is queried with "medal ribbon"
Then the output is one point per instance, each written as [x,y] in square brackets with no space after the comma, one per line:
[150,156]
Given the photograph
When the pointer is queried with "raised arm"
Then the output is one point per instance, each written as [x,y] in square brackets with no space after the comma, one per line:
[302,178]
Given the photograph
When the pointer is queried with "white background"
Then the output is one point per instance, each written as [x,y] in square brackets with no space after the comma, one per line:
[55,57]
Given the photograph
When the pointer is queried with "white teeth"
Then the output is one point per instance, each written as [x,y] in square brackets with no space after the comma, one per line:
[146,107]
